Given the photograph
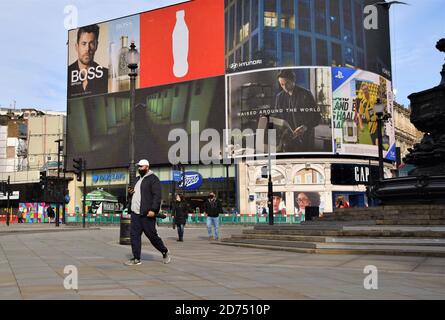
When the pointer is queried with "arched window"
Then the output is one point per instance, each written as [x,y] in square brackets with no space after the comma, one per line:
[308,176]
[277,178]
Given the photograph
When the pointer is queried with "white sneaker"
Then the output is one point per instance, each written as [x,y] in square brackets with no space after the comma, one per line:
[166,258]
[133,262]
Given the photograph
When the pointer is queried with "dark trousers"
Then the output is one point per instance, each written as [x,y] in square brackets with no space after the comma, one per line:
[180,231]
[142,223]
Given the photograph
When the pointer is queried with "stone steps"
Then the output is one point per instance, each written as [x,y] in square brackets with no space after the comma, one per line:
[347,239]
[323,248]
[344,240]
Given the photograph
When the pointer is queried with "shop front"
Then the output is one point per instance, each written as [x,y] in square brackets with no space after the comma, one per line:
[199,181]
[302,183]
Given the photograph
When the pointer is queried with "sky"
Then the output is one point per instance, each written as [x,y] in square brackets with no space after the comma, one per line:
[33,57]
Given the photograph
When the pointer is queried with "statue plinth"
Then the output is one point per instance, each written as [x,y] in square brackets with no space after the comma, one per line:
[426,183]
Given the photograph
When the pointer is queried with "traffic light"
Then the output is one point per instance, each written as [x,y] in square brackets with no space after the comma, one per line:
[43,179]
[264,172]
[78,168]
[4,187]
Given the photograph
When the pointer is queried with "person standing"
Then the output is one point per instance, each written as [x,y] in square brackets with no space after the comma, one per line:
[212,208]
[50,213]
[145,206]
[180,215]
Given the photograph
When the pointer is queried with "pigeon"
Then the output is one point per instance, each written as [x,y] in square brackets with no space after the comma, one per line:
[387,5]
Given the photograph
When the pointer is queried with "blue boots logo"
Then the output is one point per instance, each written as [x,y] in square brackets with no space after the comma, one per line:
[192,181]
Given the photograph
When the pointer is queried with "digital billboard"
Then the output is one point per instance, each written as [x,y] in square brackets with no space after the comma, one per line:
[98,130]
[281,33]
[355,95]
[227,64]
[297,101]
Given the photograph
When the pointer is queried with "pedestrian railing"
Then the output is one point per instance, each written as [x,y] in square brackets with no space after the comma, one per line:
[194,218]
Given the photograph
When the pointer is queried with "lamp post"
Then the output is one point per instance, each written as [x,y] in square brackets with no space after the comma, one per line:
[379,109]
[270,183]
[132,59]
[59,141]
[133,62]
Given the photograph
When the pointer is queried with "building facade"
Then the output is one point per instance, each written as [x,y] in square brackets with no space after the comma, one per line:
[242,60]
[27,148]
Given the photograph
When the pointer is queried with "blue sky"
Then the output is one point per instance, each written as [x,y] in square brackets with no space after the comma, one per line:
[34,52]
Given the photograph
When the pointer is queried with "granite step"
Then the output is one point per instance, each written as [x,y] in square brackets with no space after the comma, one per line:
[324,248]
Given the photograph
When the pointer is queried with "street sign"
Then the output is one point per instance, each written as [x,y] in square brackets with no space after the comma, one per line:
[14,196]
[177,176]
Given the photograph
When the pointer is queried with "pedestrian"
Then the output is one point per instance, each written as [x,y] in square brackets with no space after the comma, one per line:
[212,207]
[145,206]
[50,213]
[180,215]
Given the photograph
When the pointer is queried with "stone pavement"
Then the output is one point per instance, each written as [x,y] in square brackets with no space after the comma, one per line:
[32,267]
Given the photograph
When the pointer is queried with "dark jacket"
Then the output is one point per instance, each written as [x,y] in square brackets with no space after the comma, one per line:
[213,208]
[150,194]
[181,212]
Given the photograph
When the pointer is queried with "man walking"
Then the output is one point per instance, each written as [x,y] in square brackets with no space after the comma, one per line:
[212,208]
[145,206]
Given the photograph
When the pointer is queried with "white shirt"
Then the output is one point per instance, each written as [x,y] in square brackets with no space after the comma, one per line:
[136,201]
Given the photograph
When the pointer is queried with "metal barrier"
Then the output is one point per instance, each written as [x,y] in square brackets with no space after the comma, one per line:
[194,218]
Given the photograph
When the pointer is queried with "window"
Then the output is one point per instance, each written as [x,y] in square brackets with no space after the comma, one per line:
[304,15]
[320,16]
[359,30]
[334,17]
[287,42]
[270,13]
[308,176]
[198,87]
[347,14]
[254,44]
[270,40]
[349,56]
[246,53]
[305,51]
[337,57]
[238,20]
[245,29]
[287,14]
[231,27]
[322,53]
[255,14]
[277,178]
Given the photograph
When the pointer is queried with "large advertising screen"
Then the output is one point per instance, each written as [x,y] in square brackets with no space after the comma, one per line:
[297,101]
[227,64]
[355,95]
[281,33]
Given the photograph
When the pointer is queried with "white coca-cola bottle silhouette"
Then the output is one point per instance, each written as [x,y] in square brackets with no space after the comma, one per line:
[180,39]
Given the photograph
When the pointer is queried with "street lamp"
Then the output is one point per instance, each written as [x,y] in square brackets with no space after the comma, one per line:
[132,59]
[379,109]
[270,183]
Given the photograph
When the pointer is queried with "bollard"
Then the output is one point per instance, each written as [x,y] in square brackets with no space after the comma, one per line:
[125,230]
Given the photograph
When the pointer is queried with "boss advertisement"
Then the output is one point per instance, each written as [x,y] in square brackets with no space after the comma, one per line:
[297,102]
[355,95]
[176,44]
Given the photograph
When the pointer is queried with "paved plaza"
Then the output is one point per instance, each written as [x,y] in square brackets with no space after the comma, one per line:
[32,267]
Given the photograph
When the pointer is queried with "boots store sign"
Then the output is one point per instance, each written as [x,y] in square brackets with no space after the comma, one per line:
[192,181]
